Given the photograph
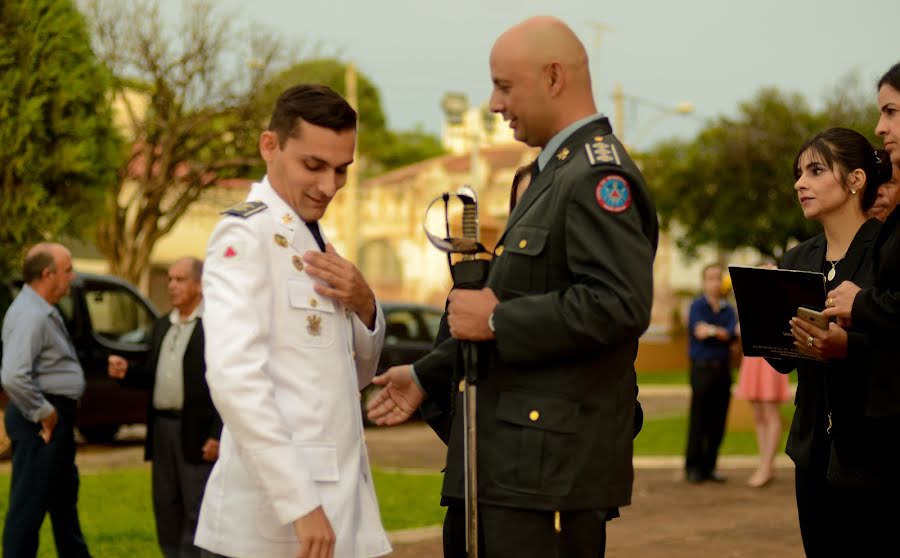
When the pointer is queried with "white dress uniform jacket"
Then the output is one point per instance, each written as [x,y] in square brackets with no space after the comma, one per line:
[285,367]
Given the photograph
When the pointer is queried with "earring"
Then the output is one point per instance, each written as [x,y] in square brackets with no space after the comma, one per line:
[852,191]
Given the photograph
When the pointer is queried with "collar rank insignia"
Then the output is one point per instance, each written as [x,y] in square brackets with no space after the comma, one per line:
[287,218]
[563,154]
[314,325]
[245,209]
[601,152]
[613,193]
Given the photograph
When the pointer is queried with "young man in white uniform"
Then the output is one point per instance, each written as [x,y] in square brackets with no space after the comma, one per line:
[293,332]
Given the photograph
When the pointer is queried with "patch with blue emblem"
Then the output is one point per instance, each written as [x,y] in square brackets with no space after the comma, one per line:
[613,194]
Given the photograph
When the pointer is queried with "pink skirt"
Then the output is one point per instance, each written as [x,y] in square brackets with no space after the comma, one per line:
[760,382]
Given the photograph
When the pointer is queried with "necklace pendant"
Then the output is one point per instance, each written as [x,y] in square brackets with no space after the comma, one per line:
[831,273]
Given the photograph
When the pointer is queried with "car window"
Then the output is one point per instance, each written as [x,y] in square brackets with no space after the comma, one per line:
[401,326]
[117,314]
[432,319]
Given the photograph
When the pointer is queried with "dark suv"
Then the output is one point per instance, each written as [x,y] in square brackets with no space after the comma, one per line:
[104,314]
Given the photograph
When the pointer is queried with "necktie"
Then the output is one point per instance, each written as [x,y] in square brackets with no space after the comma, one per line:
[314,229]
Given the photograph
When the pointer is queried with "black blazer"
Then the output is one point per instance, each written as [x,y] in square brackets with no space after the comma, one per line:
[199,419]
[556,394]
[876,311]
[836,387]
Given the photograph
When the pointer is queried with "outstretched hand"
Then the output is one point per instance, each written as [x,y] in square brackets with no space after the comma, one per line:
[398,399]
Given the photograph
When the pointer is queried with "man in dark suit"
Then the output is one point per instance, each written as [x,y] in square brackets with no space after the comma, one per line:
[567,296]
[183,427]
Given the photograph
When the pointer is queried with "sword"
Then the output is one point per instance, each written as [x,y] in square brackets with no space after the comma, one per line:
[468,273]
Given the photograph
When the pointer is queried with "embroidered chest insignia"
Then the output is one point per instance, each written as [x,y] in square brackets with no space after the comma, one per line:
[613,194]
[314,325]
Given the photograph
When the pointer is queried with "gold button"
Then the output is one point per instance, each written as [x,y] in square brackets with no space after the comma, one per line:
[499,250]
[534,415]
[313,302]
[523,243]
[462,386]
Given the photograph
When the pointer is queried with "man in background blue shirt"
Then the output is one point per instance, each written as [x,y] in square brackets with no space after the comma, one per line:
[711,324]
[44,380]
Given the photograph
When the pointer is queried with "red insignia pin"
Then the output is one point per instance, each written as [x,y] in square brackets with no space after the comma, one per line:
[613,194]
[230,252]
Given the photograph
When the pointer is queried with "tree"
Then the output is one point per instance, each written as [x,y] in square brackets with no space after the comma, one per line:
[732,186]
[58,148]
[380,149]
[188,97]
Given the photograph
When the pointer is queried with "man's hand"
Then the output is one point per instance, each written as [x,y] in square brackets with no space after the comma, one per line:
[468,313]
[345,283]
[839,302]
[826,344]
[398,399]
[315,534]
[211,450]
[116,367]
[48,425]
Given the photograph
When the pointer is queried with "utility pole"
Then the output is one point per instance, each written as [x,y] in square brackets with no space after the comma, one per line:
[352,185]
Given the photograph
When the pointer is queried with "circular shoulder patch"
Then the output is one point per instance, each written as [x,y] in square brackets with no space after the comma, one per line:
[613,194]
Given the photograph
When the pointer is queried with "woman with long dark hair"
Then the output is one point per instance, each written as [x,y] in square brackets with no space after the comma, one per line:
[838,174]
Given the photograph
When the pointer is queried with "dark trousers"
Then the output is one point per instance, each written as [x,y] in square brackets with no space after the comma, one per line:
[516,533]
[710,395]
[44,480]
[177,490]
[837,522]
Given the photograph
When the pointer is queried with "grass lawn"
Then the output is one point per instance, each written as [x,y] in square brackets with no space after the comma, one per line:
[668,436]
[117,514]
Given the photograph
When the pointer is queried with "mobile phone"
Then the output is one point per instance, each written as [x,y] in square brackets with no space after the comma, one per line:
[814,317]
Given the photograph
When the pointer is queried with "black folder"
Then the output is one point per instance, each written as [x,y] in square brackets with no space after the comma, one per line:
[766,301]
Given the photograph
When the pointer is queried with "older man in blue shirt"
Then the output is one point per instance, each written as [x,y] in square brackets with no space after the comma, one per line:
[44,380]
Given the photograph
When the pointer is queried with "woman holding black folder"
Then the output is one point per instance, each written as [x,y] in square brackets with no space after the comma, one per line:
[838,173]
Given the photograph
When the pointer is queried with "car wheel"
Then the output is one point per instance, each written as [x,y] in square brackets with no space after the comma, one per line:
[5,442]
[99,434]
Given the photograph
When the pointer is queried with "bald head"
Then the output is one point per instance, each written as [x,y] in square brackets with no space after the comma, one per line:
[541,79]
[48,270]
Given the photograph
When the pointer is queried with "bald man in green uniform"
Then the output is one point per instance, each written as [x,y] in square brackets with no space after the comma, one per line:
[567,297]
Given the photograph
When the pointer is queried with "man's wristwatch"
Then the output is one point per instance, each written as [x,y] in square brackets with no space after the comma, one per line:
[491,323]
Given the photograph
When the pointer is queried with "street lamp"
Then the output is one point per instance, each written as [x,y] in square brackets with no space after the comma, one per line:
[619,96]
[469,128]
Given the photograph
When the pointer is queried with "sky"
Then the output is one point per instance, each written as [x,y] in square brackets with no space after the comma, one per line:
[713,53]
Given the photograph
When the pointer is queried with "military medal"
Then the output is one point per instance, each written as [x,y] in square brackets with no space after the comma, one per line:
[281,240]
[298,262]
[314,325]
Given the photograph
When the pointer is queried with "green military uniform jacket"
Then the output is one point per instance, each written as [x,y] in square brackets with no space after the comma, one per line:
[573,272]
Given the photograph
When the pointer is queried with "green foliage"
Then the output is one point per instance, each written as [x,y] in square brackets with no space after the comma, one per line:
[732,186]
[58,148]
[380,149]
